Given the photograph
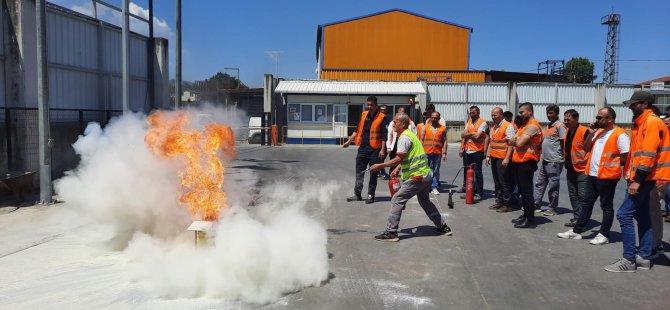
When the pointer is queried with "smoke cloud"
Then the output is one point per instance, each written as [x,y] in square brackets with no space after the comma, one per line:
[256,254]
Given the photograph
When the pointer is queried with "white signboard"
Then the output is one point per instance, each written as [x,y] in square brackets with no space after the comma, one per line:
[657,86]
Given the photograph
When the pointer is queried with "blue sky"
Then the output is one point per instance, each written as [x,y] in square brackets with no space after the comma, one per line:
[511,35]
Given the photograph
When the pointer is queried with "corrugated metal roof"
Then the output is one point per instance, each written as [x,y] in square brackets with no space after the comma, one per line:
[349,87]
[400,75]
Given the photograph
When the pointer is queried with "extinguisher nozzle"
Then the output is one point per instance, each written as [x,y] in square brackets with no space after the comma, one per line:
[450,203]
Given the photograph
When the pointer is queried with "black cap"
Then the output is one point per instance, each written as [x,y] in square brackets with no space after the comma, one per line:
[640,96]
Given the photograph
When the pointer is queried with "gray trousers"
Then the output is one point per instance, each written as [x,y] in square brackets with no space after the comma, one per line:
[409,189]
[655,214]
[549,175]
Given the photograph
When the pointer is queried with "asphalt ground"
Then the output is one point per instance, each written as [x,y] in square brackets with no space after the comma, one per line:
[486,264]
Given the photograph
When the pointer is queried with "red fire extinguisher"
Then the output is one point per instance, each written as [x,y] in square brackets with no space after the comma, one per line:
[394,185]
[470,185]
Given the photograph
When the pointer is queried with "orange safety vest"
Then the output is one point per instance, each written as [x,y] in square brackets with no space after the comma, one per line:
[577,152]
[649,148]
[610,163]
[472,144]
[533,149]
[433,143]
[498,146]
[419,130]
[375,130]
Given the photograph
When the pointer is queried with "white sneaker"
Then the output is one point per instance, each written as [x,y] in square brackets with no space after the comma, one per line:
[434,191]
[569,235]
[599,240]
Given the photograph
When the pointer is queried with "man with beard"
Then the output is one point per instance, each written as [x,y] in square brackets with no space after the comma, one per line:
[474,145]
[500,155]
[575,162]
[527,150]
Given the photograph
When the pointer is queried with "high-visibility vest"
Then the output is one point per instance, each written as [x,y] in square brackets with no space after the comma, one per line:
[415,162]
[533,149]
[577,152]
[498,145]
[649,148]
[375,130]
[472,144]
[433,143]
[419,130]
[610,162]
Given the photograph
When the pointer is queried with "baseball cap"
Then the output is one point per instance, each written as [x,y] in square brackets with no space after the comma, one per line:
[640,96]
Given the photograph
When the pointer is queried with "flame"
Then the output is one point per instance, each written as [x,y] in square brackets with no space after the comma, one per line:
[169,136]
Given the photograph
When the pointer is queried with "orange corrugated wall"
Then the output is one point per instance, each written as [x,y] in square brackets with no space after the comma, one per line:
[395,41]
[435,76]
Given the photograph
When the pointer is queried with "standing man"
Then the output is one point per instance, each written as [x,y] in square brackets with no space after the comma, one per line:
[500,155]
[434,138]
[608,145]
[649,162]
[370,136]
[474,145]
[384,110]
[527,150]
[393,136]
[416,178]
[551,163]
[575,162]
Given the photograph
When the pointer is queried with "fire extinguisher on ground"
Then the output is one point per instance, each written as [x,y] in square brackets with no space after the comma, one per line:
[470,185]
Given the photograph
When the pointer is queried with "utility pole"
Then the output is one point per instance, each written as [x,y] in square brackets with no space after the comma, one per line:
[238,75]
[612,49]
[125,61]
[43,107]
[177,79]
[275,55]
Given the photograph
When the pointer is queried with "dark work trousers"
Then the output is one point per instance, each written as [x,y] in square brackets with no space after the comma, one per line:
[524,180]
[366,156]
[595,188]
[477,158]
[576,189]
[501,179]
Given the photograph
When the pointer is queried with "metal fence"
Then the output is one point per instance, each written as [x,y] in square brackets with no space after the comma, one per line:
[19,137]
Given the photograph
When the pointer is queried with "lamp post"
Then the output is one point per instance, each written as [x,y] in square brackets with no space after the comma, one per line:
[238,75]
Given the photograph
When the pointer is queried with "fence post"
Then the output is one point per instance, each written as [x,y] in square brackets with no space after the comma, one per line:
[8,138]
[81,121]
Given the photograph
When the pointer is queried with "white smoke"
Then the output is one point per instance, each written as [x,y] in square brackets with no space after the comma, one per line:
[257,254]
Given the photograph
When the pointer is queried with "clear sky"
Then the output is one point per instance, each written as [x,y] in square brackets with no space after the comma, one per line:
[511,35]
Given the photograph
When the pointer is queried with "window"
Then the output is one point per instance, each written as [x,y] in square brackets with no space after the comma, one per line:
[306,113]
[340,113]
[294,112]
[320,113]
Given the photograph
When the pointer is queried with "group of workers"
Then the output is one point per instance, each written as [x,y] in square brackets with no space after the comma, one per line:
[595,158]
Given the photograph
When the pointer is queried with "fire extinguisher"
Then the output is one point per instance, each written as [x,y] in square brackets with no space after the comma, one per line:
[470,185]
[394,185]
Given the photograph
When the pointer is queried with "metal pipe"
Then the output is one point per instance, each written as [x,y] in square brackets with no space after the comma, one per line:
[125,61]
[177,75]
[43,104]
[152,56]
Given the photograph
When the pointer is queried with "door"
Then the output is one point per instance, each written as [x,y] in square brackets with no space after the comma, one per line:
[354,116]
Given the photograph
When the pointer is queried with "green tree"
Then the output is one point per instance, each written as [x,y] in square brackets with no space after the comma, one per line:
[579,70]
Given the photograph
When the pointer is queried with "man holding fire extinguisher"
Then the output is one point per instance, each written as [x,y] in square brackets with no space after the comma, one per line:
[416,177]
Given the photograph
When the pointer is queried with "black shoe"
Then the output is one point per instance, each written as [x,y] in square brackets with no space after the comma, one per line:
[496,206]
[462,190]
[569,224]
[525,224]
[388,236]
[370,199]
[519,219]
[354,198]
[445,230]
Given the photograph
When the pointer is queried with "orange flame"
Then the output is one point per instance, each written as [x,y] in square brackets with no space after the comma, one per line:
[202,180]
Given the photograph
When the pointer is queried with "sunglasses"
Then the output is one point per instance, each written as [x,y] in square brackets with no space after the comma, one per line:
[601,117]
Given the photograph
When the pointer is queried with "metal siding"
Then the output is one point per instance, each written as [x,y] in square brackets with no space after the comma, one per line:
[443,46]
[623,114]
[71,41]
[446,92]
[487,93]
[111,48]
[536,93]
[138,57]
[138,95]
[349,87]
[458,112]
[70,89]
[377,75]
[616,94]
[576,93]
[114,93]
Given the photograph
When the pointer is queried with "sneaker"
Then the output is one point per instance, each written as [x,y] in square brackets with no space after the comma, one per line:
[354,198]
[538,210]
[570,234]
[655,252]
[435,192]
[476,198]
[462,190]
[569,224]
[621,265]
[642,263]
[388,236]
[600,239]
[549,212]
[445,230]
[370,199]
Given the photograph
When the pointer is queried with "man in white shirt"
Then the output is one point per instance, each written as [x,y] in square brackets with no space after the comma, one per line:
[393,138]
[609,146]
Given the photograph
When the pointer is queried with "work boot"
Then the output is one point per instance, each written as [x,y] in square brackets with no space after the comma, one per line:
[504,209]
[519,219]
[525,224]
[356,197]
[496,206]
[388,236]
[370,199]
